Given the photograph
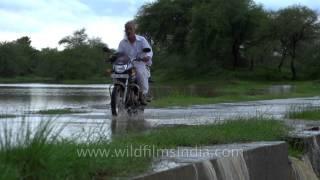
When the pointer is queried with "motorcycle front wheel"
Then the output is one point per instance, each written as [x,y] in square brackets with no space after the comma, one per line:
[116,100]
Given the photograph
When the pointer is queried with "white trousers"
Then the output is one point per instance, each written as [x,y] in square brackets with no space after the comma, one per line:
[142,76]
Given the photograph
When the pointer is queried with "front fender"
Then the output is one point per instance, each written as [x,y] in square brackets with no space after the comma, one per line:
[121,84]
[135,86]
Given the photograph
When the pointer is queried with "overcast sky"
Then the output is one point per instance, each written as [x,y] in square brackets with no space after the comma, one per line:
[48,21]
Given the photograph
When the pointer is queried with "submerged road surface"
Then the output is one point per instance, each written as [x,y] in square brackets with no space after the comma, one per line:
[25,100]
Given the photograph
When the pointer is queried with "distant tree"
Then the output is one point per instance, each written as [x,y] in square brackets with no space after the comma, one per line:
[50,63]
[294,25]
[167,22]
[96,43]
[29,54]
[25,40]
[78,38]
[17,58]
[260,42]
[224,27]
[203,32]
[311,57]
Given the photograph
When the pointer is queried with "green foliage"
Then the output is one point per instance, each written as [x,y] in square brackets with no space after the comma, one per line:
[78,38]
[191,38]
[17,58]
[207,35]
[310,66]
[167,22]
[82,58]
[294,25]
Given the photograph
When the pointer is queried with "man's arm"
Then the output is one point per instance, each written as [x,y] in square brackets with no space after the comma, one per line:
[148,57]
[121,48]
[147,45]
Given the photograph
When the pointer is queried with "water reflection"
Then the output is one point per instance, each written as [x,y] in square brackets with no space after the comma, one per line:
[15,98]
[280,89]
[125,124]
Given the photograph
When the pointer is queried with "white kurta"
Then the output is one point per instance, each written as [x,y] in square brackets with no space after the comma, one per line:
[135,50]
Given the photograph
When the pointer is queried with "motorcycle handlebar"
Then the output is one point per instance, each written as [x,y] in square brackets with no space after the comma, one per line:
[137,59]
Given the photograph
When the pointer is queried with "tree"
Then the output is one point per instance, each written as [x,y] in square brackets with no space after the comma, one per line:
[17,58]
[78,38]
[294,25]
[29,55]
[224,27]
[167,22]
[204,33]
[260,42]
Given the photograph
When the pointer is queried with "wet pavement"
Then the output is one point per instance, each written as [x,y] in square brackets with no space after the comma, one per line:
[22,99]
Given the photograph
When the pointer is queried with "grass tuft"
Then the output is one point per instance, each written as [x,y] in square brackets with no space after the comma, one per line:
[59,111]
[306,112]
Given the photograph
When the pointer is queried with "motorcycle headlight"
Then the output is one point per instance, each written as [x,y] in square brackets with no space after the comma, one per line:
[120,68]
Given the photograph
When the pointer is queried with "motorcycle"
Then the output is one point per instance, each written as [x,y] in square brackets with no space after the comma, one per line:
[125,93]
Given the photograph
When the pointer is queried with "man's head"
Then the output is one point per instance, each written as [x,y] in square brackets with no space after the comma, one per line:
[130,29]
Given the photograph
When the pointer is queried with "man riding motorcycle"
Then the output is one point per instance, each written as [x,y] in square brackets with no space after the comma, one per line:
[132,45]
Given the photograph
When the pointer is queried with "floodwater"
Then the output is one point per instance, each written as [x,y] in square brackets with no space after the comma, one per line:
[25,100]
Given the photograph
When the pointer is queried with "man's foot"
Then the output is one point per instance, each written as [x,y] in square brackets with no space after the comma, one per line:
[148,98]
[143,100]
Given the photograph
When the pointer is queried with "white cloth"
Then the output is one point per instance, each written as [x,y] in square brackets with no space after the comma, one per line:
[135,50]
[142,76]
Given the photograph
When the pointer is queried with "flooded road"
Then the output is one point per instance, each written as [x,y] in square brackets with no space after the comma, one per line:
[25,100]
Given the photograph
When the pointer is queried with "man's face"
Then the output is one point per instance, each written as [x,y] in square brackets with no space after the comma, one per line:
[130,30]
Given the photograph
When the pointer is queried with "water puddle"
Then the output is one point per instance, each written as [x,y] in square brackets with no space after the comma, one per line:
[280,89]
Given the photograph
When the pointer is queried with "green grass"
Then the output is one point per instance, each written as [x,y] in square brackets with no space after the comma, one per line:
[235,91]
[241,130]
[304,112]
[296,147]
[59,111]
[26,79]
[39,156]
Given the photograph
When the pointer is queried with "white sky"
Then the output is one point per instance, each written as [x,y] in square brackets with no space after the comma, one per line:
[48,21]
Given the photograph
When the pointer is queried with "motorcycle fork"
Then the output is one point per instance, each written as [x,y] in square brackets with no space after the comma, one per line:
[125,91]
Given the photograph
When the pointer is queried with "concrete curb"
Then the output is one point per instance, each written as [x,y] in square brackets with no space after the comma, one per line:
[308,142]
[268,162]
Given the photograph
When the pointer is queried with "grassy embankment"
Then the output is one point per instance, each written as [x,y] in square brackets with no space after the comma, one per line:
[39,156]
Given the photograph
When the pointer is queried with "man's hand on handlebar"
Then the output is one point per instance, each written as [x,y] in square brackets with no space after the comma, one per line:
[146,59]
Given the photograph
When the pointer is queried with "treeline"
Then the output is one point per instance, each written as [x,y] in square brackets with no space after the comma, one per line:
[191,38]
[82,58]
[194,37]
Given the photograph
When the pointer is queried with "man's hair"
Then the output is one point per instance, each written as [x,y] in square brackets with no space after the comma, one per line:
[131,23]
